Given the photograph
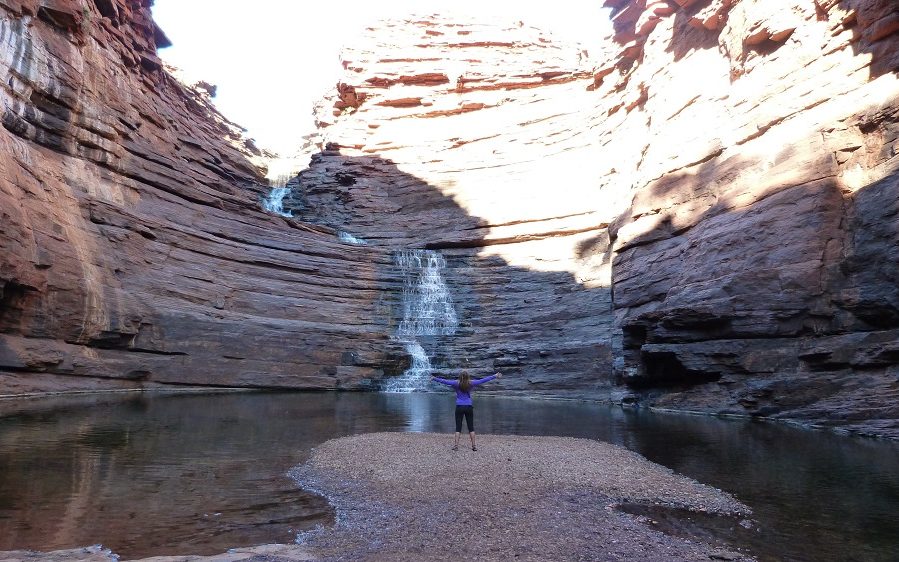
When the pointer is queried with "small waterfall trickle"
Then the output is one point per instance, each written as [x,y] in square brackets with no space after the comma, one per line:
[428,311]
[274,203]
[350,239]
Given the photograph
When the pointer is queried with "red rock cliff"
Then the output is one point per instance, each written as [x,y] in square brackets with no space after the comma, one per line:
[133,251]
[703,216]
[477,140]
[755,269]
[743,152]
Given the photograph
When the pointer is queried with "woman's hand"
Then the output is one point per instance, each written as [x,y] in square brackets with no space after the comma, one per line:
[498,375]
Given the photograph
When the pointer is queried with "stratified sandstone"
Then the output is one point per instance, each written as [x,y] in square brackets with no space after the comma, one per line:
[742,152]
[135,252]
[475,139]
[755,271]
[133,249]
[701,215]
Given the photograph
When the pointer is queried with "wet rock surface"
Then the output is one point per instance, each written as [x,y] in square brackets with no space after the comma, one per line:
[409,497]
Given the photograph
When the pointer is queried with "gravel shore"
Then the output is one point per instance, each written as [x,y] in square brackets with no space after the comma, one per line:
[408,497]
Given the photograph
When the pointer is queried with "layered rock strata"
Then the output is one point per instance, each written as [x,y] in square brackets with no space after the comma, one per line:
[742,152]
[755,270]
[701,215]
[135,252]
[475,140]
[133,248]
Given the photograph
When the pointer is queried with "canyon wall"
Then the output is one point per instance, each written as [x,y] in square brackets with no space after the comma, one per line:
[699,215]
[135,252]
[133,248]
[755,269]
[475,140]
[735,160]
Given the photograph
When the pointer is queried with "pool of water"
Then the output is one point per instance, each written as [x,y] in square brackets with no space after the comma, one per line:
[155,474]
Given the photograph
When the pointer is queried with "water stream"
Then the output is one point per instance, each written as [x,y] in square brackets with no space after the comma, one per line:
[274,203]
[348,238]
[428,313]
[158,474]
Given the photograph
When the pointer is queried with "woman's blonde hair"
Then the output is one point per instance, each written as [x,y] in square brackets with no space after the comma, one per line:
[464,382]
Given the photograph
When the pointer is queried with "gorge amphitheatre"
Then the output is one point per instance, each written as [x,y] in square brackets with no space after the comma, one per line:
[700,216]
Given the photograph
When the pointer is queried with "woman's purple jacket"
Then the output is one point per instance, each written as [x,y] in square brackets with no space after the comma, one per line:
[464,398]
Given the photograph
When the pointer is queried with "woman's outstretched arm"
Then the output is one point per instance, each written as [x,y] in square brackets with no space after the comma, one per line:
[444,381]
[486,379]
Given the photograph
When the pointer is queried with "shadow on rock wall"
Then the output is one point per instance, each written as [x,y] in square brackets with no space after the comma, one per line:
[545,330]
[873,24]
[698,25]
[764,285]
[765,289]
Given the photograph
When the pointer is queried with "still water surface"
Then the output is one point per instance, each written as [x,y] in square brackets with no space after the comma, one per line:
[155,474]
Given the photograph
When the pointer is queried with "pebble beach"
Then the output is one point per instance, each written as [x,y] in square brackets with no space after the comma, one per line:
[408,496]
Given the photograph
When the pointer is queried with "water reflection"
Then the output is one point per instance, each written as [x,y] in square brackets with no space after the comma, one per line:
[156,474]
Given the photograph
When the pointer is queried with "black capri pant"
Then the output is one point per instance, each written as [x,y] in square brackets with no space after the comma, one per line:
[468,413]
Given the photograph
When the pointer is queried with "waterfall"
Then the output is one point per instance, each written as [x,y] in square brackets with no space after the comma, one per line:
[427,307]
[350,239]
[416,377]
[274,203]
[427,312]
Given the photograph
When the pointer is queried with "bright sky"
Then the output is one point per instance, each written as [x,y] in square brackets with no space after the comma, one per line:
[271,59]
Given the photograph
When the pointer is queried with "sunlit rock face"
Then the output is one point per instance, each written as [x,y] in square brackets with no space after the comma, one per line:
[478,140]
[755,271]
[701,215]
[741,152]
[133,248]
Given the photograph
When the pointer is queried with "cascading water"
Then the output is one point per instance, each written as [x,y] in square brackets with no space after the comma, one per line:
[274,203]
[427,312]
[350,239]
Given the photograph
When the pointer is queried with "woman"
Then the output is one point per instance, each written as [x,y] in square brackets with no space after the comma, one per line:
[464,408]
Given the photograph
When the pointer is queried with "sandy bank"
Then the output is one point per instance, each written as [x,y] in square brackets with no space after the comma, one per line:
[408,497]
[403,496]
